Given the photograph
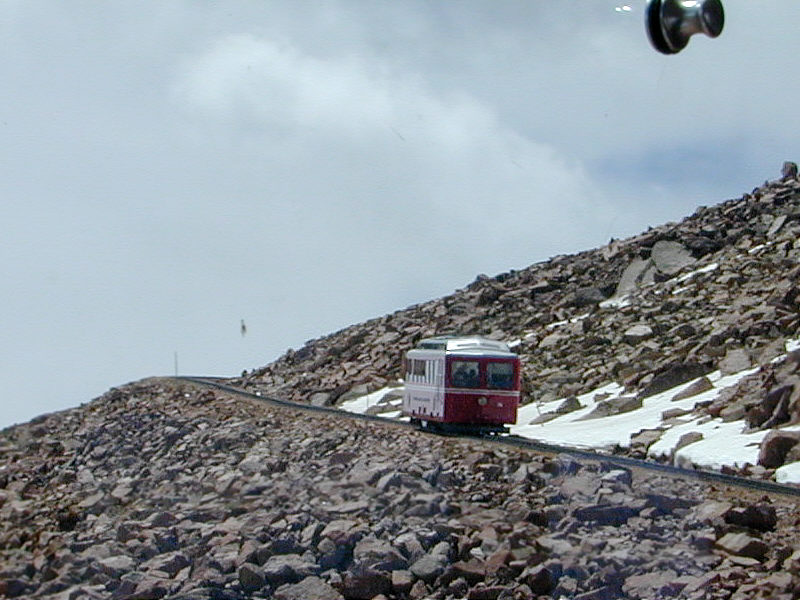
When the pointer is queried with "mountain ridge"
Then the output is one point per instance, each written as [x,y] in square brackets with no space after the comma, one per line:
[716,289]
[163,489]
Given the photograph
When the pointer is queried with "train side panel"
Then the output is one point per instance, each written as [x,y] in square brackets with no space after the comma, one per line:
[424,393]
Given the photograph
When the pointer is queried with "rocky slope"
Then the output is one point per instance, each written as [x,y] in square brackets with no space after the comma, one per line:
[165,490]
[161,489]
[718,290]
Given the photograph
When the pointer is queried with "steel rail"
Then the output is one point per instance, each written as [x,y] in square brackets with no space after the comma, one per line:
[760,485]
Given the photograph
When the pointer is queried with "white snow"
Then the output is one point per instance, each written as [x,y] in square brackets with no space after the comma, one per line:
[722,444]
[363,403]
[567,322]
[788,473]
[707,269]
[620,302]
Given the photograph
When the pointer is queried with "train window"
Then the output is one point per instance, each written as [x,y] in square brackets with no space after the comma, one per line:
[418,367]
[500,375]
[432,345]
[464,374]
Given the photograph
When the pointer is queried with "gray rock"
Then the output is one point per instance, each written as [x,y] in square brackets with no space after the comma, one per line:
[638,273]
[429,567]
[759,517]
[775,446]
[674,413]
[588,296]
[735,361]
[378,555]
[310,588]
[569,405]
[539,579]
[776,225]
[688,438]
[151,588]
[667,503]
[116,566]
[251,578]
[672,375]
[402,581]
[331,555]
[622,477]
[710,511]
[670,257]
[320,399]
[742,544]
[366,584]
[355,392]
[288,568]
[606,514]
[614,406]
[647,585]
[698,387]
[169,563]
[637,333]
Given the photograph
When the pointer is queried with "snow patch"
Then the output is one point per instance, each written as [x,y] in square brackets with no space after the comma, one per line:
[722,444]
[788,473]
[363,403]
[620,302]
[707,269]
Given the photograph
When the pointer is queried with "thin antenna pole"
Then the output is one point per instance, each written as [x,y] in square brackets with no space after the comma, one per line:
[176,363]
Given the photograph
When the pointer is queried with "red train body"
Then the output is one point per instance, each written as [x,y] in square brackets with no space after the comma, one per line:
[462,384]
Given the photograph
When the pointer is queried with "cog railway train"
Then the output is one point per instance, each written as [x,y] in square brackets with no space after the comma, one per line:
[462,384]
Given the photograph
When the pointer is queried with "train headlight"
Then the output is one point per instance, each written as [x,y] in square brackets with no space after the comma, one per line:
[483,401]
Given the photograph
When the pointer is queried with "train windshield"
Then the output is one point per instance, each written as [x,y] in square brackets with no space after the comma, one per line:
[464,373]
[500,375]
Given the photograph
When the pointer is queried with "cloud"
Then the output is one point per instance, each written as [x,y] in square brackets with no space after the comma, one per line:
[172,169]
[431,160]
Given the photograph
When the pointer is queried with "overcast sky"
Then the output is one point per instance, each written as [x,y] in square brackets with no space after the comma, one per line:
[169,168]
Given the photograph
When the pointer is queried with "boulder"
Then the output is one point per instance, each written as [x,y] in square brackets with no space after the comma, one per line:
[429,567]
[638,273]
[743,544]
[366,584]
[310,588]
[637,333]
[288,568]
[378,555]
[735,361]
[606,514]
[698,387]
[688,438]
[614,406]
[775,446]
[320,399]
[251,578]
[670,257]
[539,579]
[569,405]
[648,585]
[588,296]
[760,517]
[673,375]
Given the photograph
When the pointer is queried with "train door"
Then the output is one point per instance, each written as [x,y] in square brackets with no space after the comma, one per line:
[437,368]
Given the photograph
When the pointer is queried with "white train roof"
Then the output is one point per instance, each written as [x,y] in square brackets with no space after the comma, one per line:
[464,345]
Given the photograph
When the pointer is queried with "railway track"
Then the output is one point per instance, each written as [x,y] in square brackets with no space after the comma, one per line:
[768,487]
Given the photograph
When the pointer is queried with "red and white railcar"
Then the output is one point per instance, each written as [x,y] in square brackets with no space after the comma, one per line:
[462,384]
